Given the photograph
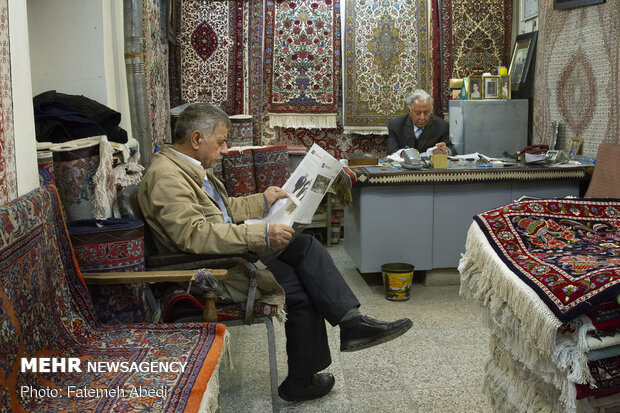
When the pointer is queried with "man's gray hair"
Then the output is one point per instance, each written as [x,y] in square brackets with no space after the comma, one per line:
[199,116]
[418,94]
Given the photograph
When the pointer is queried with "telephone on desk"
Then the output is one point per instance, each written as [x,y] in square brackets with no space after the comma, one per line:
[533,150]
[541,154]
[533,153]
[412,159]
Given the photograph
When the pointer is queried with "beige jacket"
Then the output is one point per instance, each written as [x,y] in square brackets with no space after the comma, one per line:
[184,218]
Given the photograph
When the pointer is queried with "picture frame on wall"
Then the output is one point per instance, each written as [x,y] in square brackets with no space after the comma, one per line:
[529,9]
[491,87]
[475,87]
[574,145]
[504,87]
[569,4]
[521,60]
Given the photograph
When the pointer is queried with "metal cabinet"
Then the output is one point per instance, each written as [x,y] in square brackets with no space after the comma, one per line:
[490,127]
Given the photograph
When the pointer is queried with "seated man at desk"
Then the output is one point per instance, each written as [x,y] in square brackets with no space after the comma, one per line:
[419,128]
[188,210]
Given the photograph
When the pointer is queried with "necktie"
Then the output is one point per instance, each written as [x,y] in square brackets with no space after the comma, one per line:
[418,132]
[206,185]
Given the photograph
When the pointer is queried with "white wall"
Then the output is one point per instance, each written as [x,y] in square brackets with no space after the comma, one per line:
[76,47]
[66,39]
[23,117]
[114,57]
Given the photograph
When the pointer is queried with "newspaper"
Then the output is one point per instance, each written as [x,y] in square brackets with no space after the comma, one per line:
[306,187]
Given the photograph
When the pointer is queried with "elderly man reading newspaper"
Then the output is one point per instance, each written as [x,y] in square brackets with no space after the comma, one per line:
[188,210]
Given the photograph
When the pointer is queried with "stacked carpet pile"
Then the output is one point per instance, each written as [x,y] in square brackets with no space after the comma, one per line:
[252,169]
[547,274]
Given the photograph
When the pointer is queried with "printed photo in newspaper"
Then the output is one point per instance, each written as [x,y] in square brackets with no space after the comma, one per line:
[306,187]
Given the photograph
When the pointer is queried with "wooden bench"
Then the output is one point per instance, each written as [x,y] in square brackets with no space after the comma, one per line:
[47,326]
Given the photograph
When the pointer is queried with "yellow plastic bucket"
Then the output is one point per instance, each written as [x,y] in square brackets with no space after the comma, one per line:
[397,277]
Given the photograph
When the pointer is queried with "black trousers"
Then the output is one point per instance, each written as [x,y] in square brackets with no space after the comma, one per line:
[315,292]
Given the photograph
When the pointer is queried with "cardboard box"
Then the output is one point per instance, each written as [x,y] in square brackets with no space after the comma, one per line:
[361,159]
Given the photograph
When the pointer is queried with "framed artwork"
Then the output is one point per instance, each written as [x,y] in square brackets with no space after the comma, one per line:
[521,59]
[529,9]
[491,87]
[574,145]
[504,85]
[475,87]
[569,4]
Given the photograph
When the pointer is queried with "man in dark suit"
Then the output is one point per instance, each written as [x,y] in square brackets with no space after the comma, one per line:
[419,128]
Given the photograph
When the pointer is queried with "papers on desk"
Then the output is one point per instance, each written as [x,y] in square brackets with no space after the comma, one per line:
[473,156]
[535,157]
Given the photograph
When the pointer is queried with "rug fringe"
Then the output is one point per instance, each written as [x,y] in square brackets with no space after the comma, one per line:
[102,204]
[210,398]
[487,279]
[523,326]
[365,130]
[130,172]
[566,366]
[302,120]
[342,190]
[512,388]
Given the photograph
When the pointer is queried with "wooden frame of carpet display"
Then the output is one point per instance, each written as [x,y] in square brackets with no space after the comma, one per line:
[569,4]
[521,59]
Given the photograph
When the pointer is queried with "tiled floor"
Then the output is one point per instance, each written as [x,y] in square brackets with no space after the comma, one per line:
[437,366]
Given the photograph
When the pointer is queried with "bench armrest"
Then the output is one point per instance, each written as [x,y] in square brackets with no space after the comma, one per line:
[209,314]
[99,278]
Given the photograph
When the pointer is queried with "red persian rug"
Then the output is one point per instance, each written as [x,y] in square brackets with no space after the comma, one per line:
[606,374]
[238,173]
[567,251]
[211,41]
[271,166]
[112,245]
[302,62]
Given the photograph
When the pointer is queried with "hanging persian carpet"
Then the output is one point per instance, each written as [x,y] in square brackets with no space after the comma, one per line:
[256,99]
[211,41]
[156,72]
[302,62]
[8,168]
[475,38]
[386,59]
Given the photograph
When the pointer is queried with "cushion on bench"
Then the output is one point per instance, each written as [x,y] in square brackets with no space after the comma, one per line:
[45,311]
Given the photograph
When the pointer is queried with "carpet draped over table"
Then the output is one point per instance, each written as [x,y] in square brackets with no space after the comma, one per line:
[547,273]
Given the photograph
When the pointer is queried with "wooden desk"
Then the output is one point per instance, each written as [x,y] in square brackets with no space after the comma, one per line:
[422,217]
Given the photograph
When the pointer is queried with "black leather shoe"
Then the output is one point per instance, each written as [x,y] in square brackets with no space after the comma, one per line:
[320,385]
[363,332]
